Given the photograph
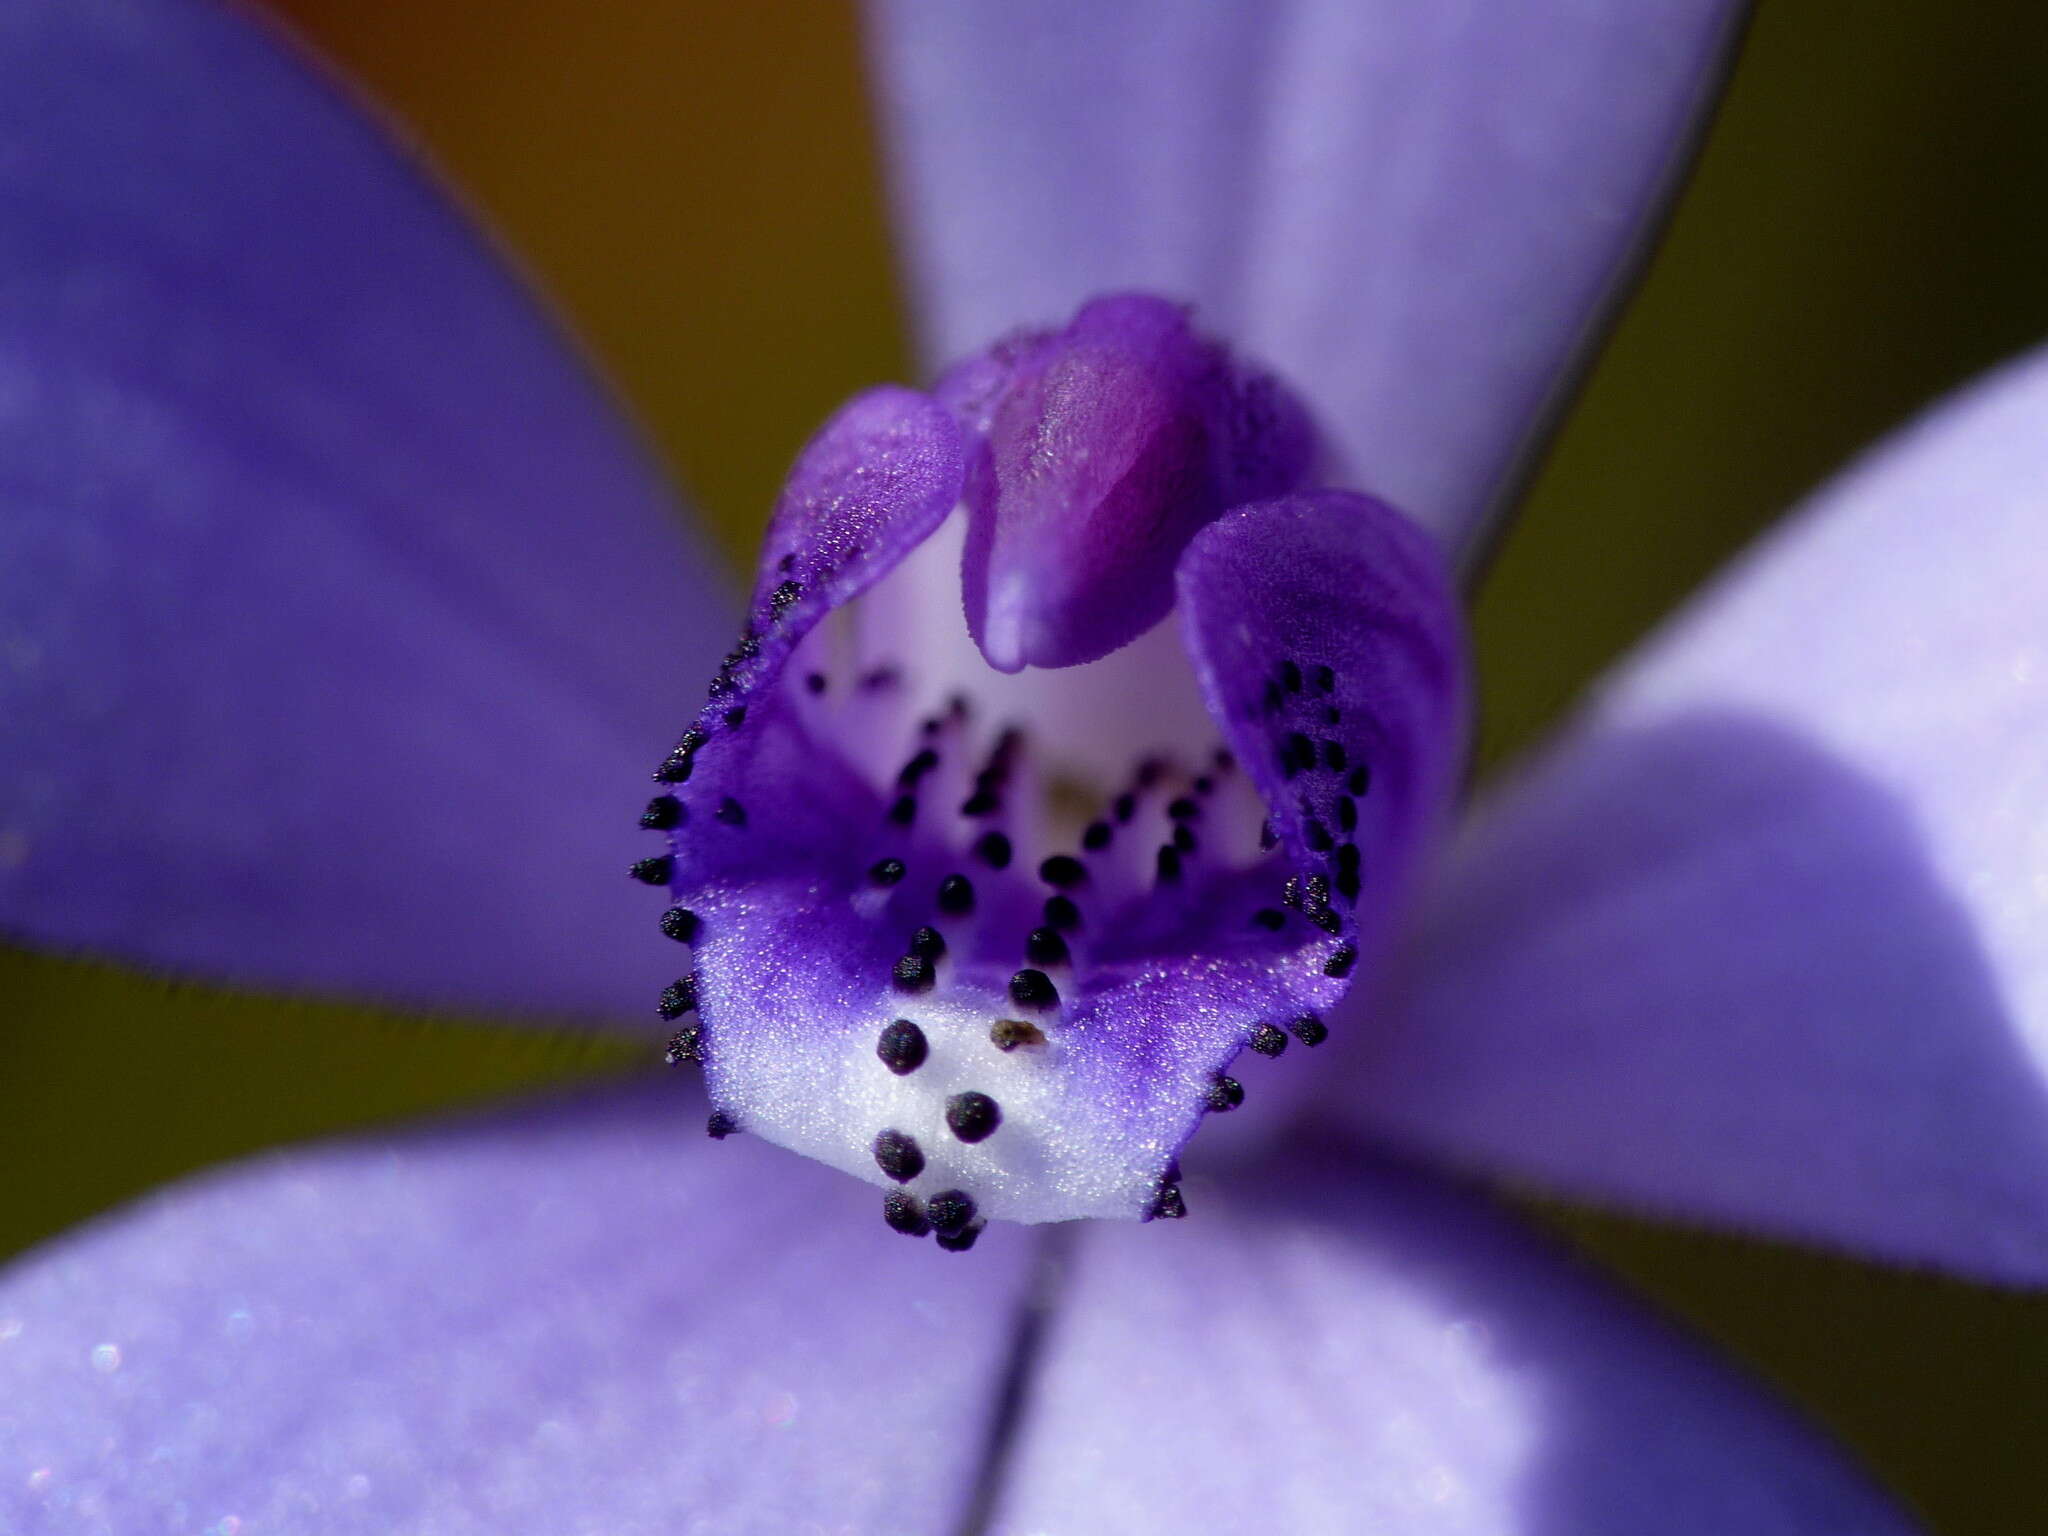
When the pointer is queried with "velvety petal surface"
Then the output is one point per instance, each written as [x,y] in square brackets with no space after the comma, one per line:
[567,1321]
[1328,1348]
[1761,939]
[1413,212]
[338,610]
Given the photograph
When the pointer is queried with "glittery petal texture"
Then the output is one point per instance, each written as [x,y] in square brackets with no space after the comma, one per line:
[1411,211]
[1760,941]
[1332,1349]
[333,598]
[1327,640]
[583,1318]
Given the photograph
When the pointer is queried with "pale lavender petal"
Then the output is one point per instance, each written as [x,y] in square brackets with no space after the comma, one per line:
[1414,212]
[338,611]
[575,1319]
[1328,1348]
[1760,941]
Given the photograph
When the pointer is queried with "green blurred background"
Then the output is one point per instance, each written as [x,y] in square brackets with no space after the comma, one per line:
[698,188]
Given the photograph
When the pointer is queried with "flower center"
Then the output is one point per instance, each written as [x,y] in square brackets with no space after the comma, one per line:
[934,943]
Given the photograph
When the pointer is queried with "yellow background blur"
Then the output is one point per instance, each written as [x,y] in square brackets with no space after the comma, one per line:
[697,187]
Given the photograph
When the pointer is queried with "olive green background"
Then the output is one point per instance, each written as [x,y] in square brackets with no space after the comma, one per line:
[697,186]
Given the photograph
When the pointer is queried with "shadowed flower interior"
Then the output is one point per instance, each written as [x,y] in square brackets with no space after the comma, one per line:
[987,884]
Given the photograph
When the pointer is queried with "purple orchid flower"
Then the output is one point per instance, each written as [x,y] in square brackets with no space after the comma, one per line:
[339,607]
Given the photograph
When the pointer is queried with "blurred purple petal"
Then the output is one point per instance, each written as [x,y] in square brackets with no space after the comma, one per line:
[568,1320]
[1761,940]
[339,608]
[1339,1350]
[1413,212]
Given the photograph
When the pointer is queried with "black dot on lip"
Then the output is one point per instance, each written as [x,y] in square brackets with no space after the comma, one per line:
[886,872]
[1060,912]
[928,944]
[1009,1034]
[720,1125]
[1268,838]
[904,811]
[678,997]
[1360,780]
[903,1212]
[680,924]
[1340,963]
[685,1045]
[1348,884]
[1125,807]
[912,974]
[676,768]
[993,849]
[1044,946]
[1310,1030]
[920,764]
[784,595]
[1168,1206]
[814,683]
[1326,918]
[973,1116]
[1097,837]
[1225,1094]
[1184,838]
[1317,836]
[736,716]
[1063,871]
[898,1156]
[1033,989]
[1324,678]
[981,803]
[902,1047]
[949,1212]
[1183,809]
[1168,867]
[1347,813]
[961,1241]
[731,812]
[1268,1041]
[654,871]
[1270,918]
[662,813]
[1297,753]
[956,895]
[1290,676]
[1333,756]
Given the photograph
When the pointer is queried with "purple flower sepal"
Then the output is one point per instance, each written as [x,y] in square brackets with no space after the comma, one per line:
[934,943]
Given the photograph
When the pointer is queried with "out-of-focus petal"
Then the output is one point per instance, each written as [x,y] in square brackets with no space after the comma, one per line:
[1414,212]
[1761,940]
[581,1319]
[1329,1349]
[338,612]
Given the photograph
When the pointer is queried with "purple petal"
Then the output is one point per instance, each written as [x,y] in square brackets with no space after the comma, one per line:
[575,1319]
[1330,647]
[340,607]
[1322,1349]
[1760,941]
[1415,213]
